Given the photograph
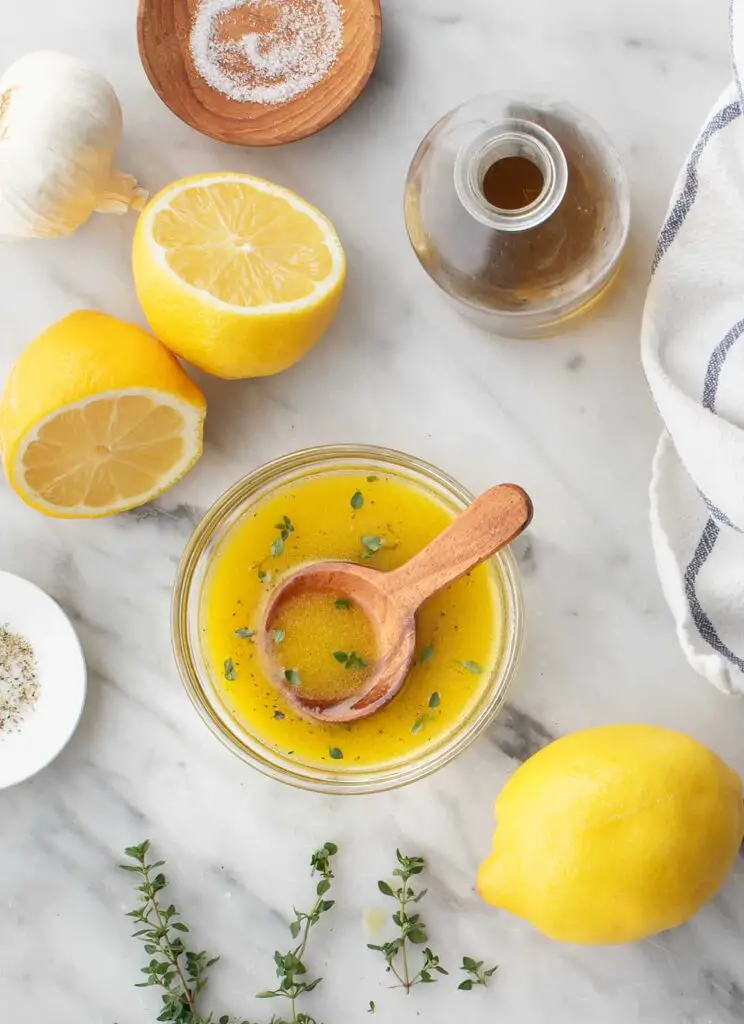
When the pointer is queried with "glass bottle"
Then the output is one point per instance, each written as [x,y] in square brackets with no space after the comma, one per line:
[519,209]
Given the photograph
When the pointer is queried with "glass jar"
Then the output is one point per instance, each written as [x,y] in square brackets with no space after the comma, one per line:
[519,209]
[205,691]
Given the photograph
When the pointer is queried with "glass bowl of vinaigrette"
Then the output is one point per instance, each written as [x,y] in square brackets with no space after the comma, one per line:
[353,503]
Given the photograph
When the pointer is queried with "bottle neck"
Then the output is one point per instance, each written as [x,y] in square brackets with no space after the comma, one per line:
[507,139]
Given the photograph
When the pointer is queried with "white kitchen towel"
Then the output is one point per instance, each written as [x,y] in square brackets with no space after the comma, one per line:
[693,355]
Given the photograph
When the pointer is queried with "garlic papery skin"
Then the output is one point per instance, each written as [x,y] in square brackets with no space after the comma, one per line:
[60,123]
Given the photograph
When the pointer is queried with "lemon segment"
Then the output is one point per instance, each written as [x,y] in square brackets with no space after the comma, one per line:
[236,275]
[614,834]
[97,417]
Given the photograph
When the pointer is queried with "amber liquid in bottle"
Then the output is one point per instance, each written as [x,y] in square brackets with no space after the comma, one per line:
[512,183]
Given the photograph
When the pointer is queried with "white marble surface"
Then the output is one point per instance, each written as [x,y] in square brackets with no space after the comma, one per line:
[570,419]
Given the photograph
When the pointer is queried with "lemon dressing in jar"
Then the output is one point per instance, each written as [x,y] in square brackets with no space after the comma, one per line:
[362,504]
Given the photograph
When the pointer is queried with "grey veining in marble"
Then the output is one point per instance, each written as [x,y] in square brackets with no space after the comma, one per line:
[570,419]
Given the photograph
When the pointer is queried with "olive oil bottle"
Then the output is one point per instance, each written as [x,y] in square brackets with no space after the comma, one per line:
[519,209]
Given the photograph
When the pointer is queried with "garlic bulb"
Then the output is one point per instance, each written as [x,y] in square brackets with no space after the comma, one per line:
[60,122]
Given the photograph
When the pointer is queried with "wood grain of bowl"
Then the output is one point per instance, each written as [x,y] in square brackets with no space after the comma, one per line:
[164,32]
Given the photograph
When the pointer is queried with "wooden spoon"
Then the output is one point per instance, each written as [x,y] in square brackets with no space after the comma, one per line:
[390,600]
[164,33]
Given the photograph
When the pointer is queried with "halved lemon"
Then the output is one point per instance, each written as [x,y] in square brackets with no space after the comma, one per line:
[97,417]
[239,276]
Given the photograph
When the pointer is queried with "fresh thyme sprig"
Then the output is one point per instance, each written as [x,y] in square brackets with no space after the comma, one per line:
[479,974]
[412,928]
[290,968]
[180,972]
[284,528]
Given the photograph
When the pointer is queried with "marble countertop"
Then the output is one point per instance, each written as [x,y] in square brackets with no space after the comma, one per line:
[571,419]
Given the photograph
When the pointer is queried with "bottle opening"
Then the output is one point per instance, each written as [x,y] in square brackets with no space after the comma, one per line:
[513,183]
[513,176]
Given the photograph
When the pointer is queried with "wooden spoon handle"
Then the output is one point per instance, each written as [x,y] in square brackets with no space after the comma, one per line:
[494,520]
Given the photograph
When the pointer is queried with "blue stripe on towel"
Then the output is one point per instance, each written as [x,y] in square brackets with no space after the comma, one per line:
[715,365]
[705,627]
[688,195]
[716,512]
[712,531]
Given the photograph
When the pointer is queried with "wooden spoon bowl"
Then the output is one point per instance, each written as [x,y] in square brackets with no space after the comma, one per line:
[390,600]
[164,33]
[394,627]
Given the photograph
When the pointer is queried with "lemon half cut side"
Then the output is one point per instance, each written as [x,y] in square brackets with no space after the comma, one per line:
[237,275]
[97,417]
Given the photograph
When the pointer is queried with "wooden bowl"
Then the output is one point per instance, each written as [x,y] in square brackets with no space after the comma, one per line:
[164,32]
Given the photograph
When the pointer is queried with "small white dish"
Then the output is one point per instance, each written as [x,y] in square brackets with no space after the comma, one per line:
[27,610]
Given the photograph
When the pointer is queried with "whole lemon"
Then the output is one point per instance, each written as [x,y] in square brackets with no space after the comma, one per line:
[613,834]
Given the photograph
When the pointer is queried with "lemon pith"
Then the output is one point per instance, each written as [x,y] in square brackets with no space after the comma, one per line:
[614,834]
[97,417]
[236,275]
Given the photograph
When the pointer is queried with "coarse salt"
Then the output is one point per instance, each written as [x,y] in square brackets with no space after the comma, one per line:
[293,47]
[19,682]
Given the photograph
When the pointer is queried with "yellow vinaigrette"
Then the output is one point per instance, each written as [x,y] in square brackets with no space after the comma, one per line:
[380,521]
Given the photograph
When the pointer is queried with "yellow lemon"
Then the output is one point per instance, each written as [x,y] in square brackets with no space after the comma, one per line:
[97,417]
[613,834]
[235,274]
